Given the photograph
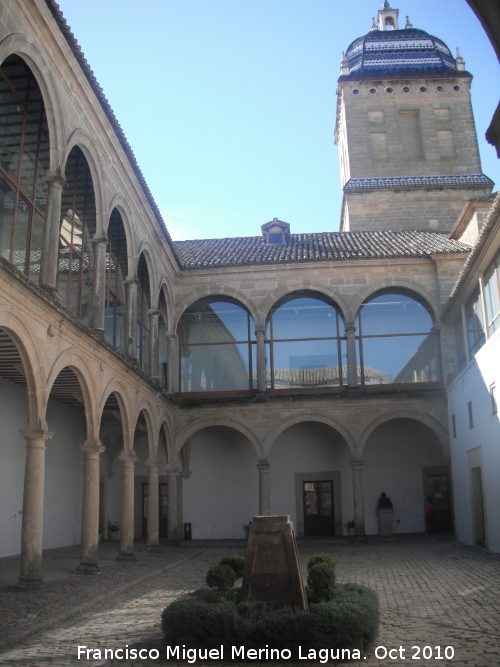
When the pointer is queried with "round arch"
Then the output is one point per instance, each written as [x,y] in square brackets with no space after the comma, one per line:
[145,408]
[120,204]
[300,417]
[299,286]
[115,387]
[166,288]
[26,48]
[205,422]
[213,290]
[404,284]
[424,418]
[146,250]
[72,359]
[91,153]
[20,334]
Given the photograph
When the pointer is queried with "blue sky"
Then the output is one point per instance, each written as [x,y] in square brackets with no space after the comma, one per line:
[229,105]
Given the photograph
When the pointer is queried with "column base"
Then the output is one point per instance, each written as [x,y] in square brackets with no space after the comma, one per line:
[126,556]
[88,568]
[27,583]
[153,548]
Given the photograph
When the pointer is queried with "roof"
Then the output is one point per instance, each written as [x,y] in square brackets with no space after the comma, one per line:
[417,182]
[408,52]
[324,246]
[89,75]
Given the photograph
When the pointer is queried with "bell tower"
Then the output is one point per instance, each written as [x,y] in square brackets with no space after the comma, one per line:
[405,130]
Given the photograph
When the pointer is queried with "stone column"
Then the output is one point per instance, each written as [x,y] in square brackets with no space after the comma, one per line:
[90,508]
[173,533]
[264,495]
[153,344]
[260,332]
[32,524]
[99,284]
[171,365]
[127,512]
[51,229]
[153,527]
[131,319]
[359,504]
[352,362]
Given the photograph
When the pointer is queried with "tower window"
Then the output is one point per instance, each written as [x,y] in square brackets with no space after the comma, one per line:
[388,90]
[423,89]
[275,238]
[389,23]
[406,89]
[440,88]
[373,91]
[355,91]
[456,88]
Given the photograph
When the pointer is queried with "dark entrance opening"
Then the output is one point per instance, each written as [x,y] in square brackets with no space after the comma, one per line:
[439,491]
[163,510]
[318,508]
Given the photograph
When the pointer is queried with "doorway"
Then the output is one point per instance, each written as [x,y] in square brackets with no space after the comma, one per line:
[318,508]
[439,490]
[163,509]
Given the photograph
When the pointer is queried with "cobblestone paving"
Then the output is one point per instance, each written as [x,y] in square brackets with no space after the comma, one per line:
[433,593]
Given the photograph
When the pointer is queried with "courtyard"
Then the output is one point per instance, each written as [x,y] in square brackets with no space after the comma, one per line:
[433,592]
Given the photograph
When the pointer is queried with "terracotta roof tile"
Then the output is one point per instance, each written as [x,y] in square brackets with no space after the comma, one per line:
[324,246]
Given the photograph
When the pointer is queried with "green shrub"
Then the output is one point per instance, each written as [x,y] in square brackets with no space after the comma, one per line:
[204,620]
[236,562]
[320,578]
[221,577]
[319,558]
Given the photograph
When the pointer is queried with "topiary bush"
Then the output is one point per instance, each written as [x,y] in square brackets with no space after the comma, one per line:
[205,620]
[221,578]
[320,578]
[236,562]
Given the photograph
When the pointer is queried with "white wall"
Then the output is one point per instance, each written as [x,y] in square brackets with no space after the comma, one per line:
[62,512]
[473,384]
[63,471]
[222,494]
[394,456]
[308,447]
[13,416]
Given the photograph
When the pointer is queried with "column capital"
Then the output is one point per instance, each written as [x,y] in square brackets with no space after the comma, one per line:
[263,465]
[92,448]
[96,240]
[260,330]
[350,329]
[153,311]
[172,337]
[128,459]
[153,463]
[35,434]
[357,464]
[171,469]
[55,179]
[131,281]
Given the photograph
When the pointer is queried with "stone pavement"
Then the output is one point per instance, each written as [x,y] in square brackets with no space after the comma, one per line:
[433,593]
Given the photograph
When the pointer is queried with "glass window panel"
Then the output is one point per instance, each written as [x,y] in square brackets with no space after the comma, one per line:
[306,364]
[394,313]
[7,206]
[209,321]
[492,296]
[220,367]
[21,235]
[474,320]
[11,125]
[310,502]
[459,335]
[343,348]
[36,247]
[304,317]
[401,359]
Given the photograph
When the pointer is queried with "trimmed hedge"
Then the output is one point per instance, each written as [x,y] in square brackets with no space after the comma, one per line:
[205,620]
[320,578]
[237,563]
[221,577]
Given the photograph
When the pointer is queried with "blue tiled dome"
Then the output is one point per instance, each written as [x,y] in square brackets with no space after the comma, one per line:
[408,52]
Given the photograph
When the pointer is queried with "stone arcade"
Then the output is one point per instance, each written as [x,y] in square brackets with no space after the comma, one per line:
[209,381]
